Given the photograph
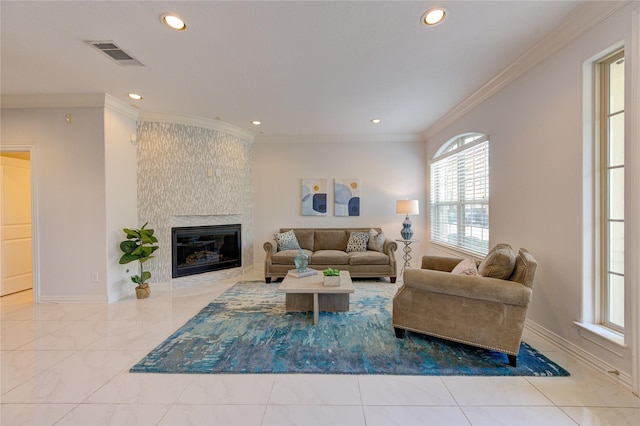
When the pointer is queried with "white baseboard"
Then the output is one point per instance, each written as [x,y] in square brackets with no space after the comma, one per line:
[580,354]
[73,299]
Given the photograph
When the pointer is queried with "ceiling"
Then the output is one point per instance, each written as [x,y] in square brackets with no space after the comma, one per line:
[300,67]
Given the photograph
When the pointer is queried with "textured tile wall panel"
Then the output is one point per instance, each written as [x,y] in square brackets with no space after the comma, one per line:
[175,189]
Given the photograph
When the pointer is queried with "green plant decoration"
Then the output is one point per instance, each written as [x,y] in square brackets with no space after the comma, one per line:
[330,272]
[138,246]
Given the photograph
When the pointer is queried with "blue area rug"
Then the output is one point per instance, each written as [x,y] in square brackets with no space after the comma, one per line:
[247,330]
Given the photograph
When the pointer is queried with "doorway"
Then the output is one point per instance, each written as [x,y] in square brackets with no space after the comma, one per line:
[16,221]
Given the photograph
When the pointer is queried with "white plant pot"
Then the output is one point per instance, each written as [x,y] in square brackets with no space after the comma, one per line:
[332,280]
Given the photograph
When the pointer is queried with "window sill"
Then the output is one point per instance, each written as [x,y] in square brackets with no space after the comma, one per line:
[603,337]
[457,251]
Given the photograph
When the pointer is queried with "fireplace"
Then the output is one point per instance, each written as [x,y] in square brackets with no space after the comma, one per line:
[199,249]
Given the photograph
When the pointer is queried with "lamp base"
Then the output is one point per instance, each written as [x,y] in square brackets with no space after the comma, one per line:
[406,232]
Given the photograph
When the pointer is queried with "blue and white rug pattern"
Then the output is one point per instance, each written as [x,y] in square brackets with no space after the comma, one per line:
[247,330]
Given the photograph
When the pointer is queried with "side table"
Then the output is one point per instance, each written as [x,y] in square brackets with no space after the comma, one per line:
[407,253]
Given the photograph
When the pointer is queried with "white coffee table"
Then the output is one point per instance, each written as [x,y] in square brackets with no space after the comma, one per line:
[310,294]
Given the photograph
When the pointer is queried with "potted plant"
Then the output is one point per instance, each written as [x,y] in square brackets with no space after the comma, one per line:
[139,246]
[331,277]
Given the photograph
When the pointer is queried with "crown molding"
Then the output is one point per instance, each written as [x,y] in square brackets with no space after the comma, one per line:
[92,100]
[339,138]
[161,117]
[117,105]
[579,22]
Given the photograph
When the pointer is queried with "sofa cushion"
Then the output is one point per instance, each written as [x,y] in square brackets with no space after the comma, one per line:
[499,263]
[305,238]
[329,257]
[286,257]
[368,257]
[376,240]
[286,241]
[466,267]
[357,242]
[330,239]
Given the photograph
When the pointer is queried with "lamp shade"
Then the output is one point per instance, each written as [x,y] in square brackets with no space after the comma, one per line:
[407,207]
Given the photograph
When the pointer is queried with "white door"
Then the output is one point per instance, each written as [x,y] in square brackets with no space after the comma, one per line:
[15,220]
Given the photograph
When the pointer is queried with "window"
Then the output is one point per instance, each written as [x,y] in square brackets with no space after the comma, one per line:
[610,190]
[460,194]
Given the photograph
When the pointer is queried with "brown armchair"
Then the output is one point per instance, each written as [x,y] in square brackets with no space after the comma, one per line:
[476,310]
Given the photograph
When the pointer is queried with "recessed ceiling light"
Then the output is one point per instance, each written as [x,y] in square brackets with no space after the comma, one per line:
[434,16]
[376,121]
[134,96]
[256,122]
[174,22]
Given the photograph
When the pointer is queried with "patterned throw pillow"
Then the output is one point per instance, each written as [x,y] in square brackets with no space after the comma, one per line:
[376,240]
[466,267]
[287,241]
[357,241]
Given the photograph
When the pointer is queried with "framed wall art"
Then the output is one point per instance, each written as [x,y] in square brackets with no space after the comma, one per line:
[314,197]
[347,197]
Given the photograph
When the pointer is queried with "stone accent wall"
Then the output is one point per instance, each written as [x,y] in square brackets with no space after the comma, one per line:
[192,176]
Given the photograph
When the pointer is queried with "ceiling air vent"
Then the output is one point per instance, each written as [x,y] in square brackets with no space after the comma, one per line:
[112,50]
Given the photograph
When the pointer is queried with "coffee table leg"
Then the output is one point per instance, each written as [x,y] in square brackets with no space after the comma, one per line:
[315,308]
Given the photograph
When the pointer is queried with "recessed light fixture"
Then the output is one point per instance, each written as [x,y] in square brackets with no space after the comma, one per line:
[134,96]
[434,16]
[174,22]
[376,120]
[256,122]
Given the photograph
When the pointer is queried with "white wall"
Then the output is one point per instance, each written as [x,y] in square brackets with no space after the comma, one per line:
[71,197]
[536,161]
[121,191]
[388,171]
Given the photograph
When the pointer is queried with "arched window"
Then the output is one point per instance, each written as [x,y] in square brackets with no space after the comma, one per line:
[460,194]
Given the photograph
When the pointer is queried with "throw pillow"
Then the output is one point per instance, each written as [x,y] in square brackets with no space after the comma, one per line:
[466,267]
[357,242]
[287,241]
[499,263]
[376,240]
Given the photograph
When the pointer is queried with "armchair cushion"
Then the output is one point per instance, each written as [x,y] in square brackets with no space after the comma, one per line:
[466,267]
[499,263]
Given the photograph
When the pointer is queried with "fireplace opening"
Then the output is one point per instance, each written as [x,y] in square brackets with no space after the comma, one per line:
[199,249]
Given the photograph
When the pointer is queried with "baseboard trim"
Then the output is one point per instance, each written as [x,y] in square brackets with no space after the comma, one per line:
[580,354]
[73,299]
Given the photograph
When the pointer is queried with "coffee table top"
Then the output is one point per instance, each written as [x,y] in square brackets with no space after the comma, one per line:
[314,284]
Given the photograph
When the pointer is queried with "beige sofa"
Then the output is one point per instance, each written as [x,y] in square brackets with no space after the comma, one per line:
[476,310]
[327,248]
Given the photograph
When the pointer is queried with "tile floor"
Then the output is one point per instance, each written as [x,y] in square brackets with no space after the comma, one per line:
[67,364]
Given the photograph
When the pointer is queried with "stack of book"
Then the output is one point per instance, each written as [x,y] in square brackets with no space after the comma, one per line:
[307,273]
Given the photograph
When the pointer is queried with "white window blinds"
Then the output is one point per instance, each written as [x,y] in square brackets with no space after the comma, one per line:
[460,195]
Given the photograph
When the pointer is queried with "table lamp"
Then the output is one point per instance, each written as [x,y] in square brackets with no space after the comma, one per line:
[407,207]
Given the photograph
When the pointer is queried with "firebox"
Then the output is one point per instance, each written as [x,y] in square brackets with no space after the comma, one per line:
[199,249]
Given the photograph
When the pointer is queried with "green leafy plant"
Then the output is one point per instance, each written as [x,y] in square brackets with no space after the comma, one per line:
[330,272]
[138,246]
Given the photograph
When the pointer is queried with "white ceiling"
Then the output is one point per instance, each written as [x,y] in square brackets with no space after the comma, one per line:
[302,68]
